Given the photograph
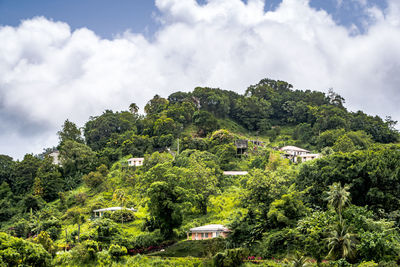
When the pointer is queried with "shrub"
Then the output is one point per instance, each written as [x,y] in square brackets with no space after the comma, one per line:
[123,215]
[231,257]
[16,251]
[117,251]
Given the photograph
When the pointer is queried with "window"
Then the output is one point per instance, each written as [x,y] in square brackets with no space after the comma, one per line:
[202,235]
[206,235]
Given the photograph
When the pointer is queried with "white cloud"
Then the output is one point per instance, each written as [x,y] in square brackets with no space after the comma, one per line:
[49,74]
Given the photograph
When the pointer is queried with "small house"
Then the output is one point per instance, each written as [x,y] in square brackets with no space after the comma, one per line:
[207,232]
[100,212]
[297,154]
[55,155]
[135,161]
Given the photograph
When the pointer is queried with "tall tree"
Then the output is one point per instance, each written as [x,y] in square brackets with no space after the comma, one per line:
[71,132]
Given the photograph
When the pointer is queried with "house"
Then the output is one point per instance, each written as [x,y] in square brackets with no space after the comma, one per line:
[207,232]
[100,212]
[235,172]
[241,146]
[297,154]
[56,157]
[135,161]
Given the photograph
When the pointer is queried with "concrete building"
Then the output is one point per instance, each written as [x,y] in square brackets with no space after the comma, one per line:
[100,212]
[297,154]
[135,161]
[207,232]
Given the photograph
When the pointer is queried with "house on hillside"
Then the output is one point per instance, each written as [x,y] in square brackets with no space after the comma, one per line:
[207,232]
[100,212]
[135,161]
[297,154]
[55,155]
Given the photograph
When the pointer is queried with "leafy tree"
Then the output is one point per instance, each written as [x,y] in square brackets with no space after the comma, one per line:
[25,173]
[69,131]
[96,178]
[288,209]
[76,157]
[7,166]
[48,181]
[164,199]
[133,108]
[344,144]
[156,105]
[205,121]
[44,239]
[16,252]
[76,216]
[98,130]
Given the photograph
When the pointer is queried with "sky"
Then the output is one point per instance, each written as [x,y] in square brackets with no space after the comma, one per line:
[73,59]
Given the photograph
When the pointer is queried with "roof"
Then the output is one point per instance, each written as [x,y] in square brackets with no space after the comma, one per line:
[114,209]
[293,148]
[210,227]
[235,172]
[135,159]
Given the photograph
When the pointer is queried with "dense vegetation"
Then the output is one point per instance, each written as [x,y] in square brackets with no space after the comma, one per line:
[338,210]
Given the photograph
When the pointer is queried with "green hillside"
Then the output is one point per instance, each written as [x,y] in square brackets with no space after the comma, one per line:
[337,210]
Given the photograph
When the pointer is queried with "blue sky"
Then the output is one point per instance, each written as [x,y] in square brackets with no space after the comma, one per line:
[73,59]
[108,18]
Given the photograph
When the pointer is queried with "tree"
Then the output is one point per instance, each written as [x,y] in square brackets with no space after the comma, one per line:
[344,144]
[24,174]
[48,181]
[341,243]
[338,197]
[205,121]
[133,108]
[164,199]
[76,157]
[69,132]
[7,166]
[76,216]
[99,130]
[156,105]
[96,178]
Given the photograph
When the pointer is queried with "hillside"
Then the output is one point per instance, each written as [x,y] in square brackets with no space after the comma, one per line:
[342,207]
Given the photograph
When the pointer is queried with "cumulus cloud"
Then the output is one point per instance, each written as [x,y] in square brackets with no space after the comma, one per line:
[49,73]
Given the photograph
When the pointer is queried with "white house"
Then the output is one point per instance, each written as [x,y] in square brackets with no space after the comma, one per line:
[207,232]
[135,161]
[56,157]
[100,212]
[297,154]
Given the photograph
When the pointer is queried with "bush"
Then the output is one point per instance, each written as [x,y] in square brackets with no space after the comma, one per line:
[231,257]
[16,251]
[117,251]
[122,216]
[85,252]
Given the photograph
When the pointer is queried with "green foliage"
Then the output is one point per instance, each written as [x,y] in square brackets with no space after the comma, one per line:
[16,252]
[117,251]
[96,178]
[230,257]
[24,174]
[43,238]
[76,158]
[205,122]
[48,181]
[98,130]
[71,132]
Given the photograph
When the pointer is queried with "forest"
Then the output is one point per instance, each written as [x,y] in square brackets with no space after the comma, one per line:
[342,209]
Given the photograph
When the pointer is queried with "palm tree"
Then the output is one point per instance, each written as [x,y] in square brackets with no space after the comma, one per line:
[338,197]
[341,243]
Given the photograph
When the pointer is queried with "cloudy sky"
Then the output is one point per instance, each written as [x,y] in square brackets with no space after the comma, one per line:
[73,59]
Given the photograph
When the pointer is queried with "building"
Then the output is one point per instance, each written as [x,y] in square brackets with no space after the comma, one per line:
[56,157]
[135,161]
[297,154]
[100,212]
[207,232]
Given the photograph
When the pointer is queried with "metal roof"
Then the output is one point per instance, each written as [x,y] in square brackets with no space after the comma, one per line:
[293,148]
[114,209]
[210,227]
